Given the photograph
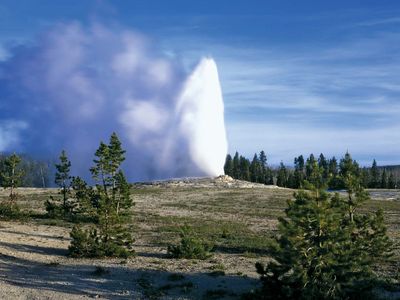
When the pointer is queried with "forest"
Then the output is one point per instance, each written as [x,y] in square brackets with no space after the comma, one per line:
[258,170]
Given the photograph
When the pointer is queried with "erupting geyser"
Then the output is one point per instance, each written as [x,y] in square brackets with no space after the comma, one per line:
[74,86]
[201,109]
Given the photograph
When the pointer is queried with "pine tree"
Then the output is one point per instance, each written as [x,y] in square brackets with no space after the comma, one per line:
[310,163]
[391,181]
[255,170]
[323,164]
[351,180]
[112,203]
[236,166]
[333,181]
[375,176]
[384,180]
[11,176]
[282,176]
[321,253]
[244,167]
[228,167]
[365,177]
[263,168]
[298,175]
[62,178]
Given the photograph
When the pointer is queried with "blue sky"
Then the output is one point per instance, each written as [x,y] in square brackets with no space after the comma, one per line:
[297,76]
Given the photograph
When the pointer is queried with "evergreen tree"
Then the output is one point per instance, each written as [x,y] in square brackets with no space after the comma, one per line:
[62,178]
[391,181]
[365,177]
[112,203]
[333,181]
[321,253]
[323,164]
[333,166]
[255,170]
[384,180]
[11,176]
[298,176]
[375,176]
[264,176]
[282,176]
[351,181]
[244,167]
[236,166]
[269,177]
[310,163]
[228,167]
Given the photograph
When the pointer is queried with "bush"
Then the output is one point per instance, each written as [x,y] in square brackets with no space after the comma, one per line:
[190,246]
[89,243]
[9,211]
[53,209]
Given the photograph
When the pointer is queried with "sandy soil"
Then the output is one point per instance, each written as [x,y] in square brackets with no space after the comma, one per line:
[33,265]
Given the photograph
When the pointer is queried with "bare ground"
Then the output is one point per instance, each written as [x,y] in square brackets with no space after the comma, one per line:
[34,265]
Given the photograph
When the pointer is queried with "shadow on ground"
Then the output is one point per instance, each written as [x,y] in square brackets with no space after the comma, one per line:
[100,278]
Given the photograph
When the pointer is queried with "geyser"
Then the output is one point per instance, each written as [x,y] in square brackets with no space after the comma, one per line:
[201,111]
[74,86]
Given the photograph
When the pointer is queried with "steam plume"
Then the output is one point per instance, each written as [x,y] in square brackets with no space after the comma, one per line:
[74,86]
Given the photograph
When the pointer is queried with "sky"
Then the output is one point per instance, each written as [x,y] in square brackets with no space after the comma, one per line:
[297,77]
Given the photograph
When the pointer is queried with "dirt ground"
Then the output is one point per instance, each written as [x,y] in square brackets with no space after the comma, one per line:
[33,265]
[34,262]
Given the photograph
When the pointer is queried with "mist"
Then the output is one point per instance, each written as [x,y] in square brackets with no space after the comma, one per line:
[74,85]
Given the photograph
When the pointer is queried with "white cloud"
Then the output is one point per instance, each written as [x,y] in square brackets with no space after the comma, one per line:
[10,133]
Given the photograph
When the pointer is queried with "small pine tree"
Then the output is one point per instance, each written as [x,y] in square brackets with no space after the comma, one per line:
[263,171]
[63,179]
[282,176]
[391,181]
[322,251]
[310,163]
[228,167]
[323,164]
[384,180]
[298,175]
[244,167]
[11,176]
[236,166]
[255,170]
[375,176]
[190,246]
[111,204]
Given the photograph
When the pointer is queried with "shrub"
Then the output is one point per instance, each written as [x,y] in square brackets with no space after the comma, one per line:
[190,246]
[53,209]
[89,243]
[9,211]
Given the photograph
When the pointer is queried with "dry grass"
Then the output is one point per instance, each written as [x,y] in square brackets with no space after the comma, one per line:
[237,220]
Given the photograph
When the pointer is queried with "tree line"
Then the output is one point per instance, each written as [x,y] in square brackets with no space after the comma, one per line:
[34,173]
[257,170]
[239,167]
